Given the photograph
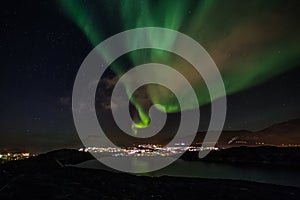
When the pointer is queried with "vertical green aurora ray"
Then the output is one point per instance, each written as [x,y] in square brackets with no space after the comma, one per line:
[249,41]
[76,11]
[143,14]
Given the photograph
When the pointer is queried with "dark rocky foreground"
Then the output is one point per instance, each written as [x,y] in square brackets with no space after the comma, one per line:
[45,177]
[287,157]
[75,183]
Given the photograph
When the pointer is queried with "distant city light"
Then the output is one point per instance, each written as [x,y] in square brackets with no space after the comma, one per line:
[9,156]
[146,150]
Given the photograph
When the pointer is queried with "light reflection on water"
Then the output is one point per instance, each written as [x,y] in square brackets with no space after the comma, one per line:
[180,168]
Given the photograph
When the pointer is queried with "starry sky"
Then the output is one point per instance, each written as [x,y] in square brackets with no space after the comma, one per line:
[43,43]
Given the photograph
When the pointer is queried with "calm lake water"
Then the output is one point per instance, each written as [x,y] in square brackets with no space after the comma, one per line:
[182,168]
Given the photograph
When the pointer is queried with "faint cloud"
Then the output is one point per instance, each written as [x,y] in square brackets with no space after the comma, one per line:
[65,101]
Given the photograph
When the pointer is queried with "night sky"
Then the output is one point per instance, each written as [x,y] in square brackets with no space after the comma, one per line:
[43,43]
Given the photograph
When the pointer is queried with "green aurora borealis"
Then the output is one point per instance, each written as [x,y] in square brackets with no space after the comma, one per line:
[250,42]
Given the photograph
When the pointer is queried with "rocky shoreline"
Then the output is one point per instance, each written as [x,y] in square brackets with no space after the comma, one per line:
[77,183]
[47,177]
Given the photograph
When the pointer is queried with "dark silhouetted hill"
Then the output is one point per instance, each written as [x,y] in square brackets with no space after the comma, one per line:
[262,156]
[45,177]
